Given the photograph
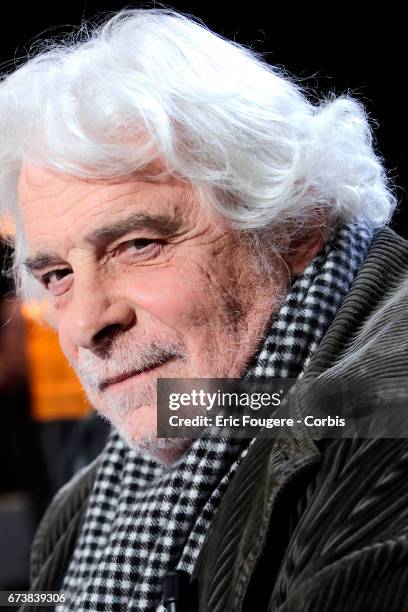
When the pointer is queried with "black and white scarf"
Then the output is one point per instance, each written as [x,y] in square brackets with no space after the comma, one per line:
[145,519]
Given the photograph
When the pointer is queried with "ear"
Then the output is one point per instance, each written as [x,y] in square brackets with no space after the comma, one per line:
[306,242]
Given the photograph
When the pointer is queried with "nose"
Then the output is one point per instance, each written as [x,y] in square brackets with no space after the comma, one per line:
[92,318]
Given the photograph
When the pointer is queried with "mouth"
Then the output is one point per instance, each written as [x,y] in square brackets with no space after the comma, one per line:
[120,381]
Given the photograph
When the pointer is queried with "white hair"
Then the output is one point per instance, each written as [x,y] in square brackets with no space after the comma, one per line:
[107,100]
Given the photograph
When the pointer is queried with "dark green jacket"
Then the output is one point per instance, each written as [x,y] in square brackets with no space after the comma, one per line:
[305,525]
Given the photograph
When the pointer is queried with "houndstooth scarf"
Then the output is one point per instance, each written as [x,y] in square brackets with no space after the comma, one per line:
[144,519]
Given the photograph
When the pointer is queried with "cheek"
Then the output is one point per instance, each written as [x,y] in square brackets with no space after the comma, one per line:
[70,350]
[174,298]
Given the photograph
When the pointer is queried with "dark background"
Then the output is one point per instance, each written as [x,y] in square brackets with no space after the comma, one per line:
[332,48]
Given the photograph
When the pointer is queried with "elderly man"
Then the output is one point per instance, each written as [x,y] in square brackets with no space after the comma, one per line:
[187,212]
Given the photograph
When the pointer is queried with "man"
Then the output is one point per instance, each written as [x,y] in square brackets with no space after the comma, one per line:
[187,213]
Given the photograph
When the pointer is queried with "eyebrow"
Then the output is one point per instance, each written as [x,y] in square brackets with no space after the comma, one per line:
[41,261]
[104,235]
[139,221]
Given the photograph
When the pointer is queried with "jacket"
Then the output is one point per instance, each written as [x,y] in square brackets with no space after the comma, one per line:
[306,525]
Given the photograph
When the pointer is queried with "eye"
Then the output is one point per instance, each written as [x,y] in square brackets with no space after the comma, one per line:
[140,247]
[140,243]
[54,282]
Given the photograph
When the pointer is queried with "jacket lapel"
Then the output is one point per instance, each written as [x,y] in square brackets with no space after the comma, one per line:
[239,528]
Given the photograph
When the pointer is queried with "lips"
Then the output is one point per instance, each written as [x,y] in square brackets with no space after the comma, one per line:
[108,382]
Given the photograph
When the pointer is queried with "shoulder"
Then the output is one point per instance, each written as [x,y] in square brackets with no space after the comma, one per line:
[63,516]
[350,547]
[370,331]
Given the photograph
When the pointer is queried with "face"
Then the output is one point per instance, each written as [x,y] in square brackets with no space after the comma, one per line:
[142,283]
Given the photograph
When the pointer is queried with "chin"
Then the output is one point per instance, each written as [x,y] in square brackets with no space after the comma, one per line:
[138,428]
[161,450]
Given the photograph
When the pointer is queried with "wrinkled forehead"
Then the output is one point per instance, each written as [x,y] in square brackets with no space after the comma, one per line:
[44,194]
[39,180]
[35,176]
[40,188]
[54,206]
[36,186]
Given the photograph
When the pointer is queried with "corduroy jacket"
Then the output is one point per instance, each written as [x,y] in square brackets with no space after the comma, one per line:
[306,524]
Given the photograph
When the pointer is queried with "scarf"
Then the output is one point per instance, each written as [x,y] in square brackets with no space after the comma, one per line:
[145,519]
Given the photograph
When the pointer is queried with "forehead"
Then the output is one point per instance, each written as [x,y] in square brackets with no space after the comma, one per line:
[39,185]
[61,204]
